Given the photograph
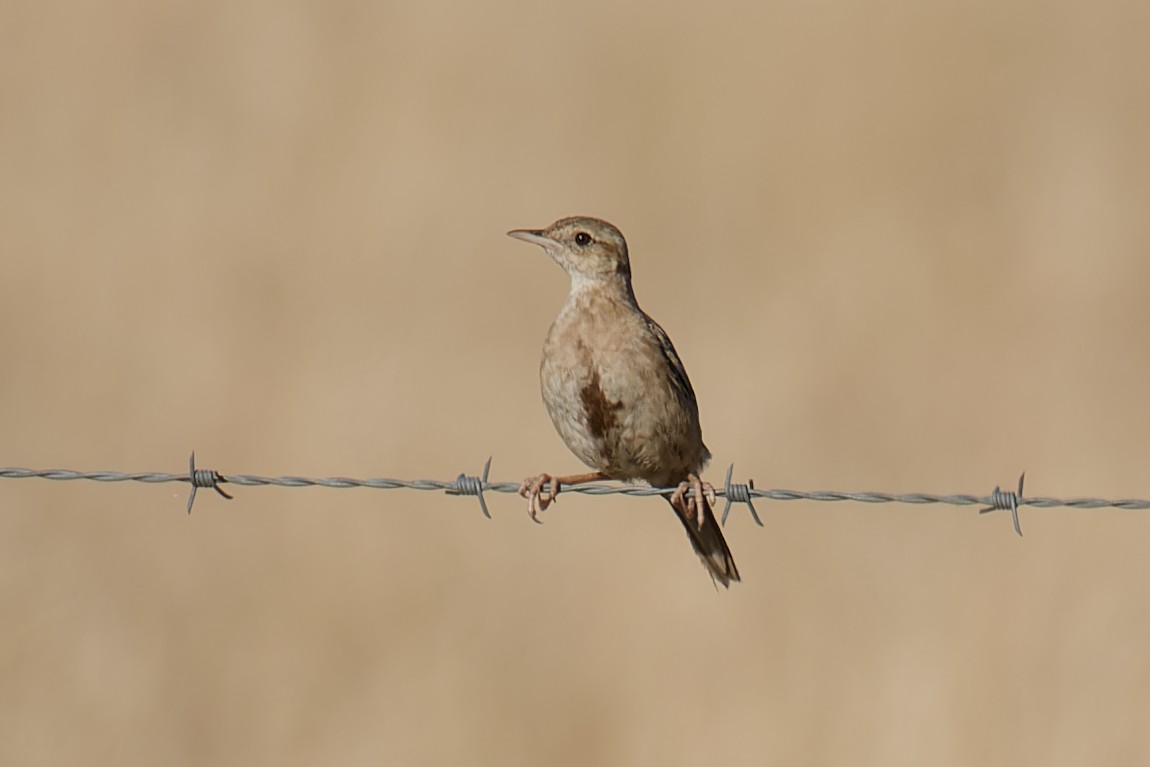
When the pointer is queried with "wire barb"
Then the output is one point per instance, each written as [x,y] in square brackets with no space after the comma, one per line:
[1007,501]
[203,478]
[738,493]
[469,485]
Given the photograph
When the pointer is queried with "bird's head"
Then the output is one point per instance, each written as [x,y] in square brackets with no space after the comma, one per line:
[588,249]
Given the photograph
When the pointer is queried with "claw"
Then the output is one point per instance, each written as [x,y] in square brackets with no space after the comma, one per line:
[702,490]
[537,501]
[679,500]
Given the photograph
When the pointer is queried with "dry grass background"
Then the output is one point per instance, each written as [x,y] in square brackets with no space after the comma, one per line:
[900,246]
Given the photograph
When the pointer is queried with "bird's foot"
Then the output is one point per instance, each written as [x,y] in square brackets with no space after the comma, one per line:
[537,500]
[691,506]
[679,500]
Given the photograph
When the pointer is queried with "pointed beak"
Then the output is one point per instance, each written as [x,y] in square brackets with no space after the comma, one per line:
[534,236]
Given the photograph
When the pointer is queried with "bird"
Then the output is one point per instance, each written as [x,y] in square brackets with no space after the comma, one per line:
[616,390]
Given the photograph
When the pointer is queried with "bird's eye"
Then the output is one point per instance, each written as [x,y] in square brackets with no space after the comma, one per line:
[582,239]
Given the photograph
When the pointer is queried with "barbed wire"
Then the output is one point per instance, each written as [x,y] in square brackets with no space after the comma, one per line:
[477,485]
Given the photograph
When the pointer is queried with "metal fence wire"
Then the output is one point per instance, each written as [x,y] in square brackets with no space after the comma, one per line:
[476,485]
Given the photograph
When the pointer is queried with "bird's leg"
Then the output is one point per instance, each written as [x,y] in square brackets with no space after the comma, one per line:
[692,507]
[537,500]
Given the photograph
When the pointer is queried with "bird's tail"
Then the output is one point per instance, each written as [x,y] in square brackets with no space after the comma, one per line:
[708,540]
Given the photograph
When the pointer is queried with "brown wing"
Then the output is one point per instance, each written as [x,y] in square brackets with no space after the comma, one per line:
[684,392]
[679,380]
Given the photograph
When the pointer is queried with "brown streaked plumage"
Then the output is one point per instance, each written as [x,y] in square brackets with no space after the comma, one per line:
[616,390]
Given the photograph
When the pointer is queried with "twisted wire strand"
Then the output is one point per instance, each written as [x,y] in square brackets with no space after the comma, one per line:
[477,485]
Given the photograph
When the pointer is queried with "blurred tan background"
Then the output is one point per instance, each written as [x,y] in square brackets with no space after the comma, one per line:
[900,247]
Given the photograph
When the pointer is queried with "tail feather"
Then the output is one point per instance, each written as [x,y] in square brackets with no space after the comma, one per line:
[708,541]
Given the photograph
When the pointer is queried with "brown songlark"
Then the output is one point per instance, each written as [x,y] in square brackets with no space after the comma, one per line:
[616,390]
